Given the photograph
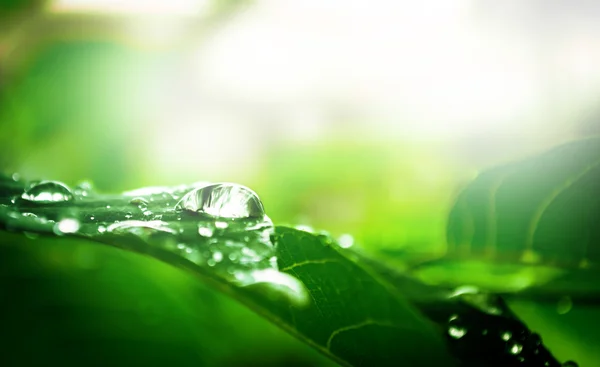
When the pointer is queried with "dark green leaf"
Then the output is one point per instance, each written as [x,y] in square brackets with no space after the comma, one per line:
[527,225]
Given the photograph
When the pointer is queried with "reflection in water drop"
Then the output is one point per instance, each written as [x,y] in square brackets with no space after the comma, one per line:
[223,200]
[48,192]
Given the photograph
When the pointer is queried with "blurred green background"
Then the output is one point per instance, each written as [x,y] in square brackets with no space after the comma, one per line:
[351,117]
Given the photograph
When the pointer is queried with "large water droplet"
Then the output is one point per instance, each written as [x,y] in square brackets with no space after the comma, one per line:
[223,200]
[48,192]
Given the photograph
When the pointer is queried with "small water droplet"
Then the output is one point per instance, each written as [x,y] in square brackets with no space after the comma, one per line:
[68,225]
[147,213]
[305,228]
[139,202]
[211,262]
[83,188]
[218,256]
[223,200]
[515,348]
[16,176]
[101,229]
[139,227]
[48,192]
[506,336]
[457,332]
[205,231]
[564,305]
[346,241]
[188,250]
[221,225]
[128,215]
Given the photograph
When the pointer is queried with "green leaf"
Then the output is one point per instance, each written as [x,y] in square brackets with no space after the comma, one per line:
[530,225]
[318,294]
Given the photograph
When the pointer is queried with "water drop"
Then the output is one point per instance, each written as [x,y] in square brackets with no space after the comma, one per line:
[147,213]
[83,189]
[345,241]
[223,200]
[516,348]
[181,246]
[16,177]
[68,225]
[221,225]
[48,192]
[108,207]
[139,227]
[139,202]
[218,256]
[564,305]
[288,285]
[305,228]
[211,262]
[457,332]
[188,250]
[101,229]
[128,215]
[205,231]
[506,336]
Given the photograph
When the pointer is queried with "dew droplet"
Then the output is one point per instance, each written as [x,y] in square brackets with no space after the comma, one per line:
[67,225]
[457,332]
[564,305]
[83,188]
[218,256]
[221,225]
[346,241]
[139,202]
[223,200]
[140,227]
[48,192]
[515,348]
[205,231]
[506,336]
[101,229]
[305,228]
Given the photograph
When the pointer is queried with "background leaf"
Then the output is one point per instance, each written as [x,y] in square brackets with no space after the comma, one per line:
[530,223]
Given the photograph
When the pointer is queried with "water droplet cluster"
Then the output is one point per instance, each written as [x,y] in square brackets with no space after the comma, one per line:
[482,325]
[220,226]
